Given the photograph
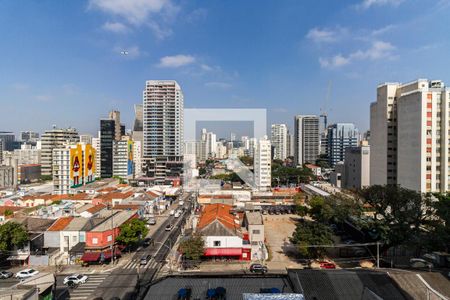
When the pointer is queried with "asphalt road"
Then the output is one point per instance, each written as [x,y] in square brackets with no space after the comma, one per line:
[6,283]
[133,280]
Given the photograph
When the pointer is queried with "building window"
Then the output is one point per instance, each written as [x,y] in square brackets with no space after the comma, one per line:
[216,243]
[109,238]
[95,241]
[256,231]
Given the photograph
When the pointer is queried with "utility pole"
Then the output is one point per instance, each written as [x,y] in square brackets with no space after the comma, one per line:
[112,235]
[378,255]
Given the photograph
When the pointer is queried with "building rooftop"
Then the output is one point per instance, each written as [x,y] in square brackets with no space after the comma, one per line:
[96,208]
[34,224]
[117,219]
[77,224]
[235,286]
[217,219]
[254,218]
[60,224]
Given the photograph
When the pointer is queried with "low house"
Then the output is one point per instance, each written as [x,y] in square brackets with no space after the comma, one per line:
[52,240]
[222,233]
[112,198]
[35,200]
[92,210]
[7,212]
[254,224]
[316,170]
[103,235]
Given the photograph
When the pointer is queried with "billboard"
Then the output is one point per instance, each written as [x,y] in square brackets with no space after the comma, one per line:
[76,167]
[130,158]
[89,163]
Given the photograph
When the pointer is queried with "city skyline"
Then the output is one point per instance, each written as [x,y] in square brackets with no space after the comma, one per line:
[196,45]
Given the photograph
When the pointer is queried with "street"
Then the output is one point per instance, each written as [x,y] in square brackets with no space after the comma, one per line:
[131,280]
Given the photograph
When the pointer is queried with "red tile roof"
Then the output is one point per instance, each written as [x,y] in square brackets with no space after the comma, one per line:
[219,212]
[107,189]
[96,209]
[11,208]
[60,224]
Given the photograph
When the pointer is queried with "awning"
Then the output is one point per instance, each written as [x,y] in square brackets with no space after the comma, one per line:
[18,257]
[90,256]
[107,254]
[223,252]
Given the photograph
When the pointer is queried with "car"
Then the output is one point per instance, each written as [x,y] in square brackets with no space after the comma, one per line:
[327,265]
[258,268]
[145,259]
[420,263]
[169,227]
[177,214]
[151,221]
[76,279]
[5,274]
[172,212]
[26,273]
[147,242]
[181,203]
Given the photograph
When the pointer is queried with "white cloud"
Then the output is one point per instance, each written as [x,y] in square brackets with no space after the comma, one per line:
[115,27]
[155,14]
[378,50]
[324,35]
[205,67]
[366,4]
[383,30]
[176,61]
[217,84]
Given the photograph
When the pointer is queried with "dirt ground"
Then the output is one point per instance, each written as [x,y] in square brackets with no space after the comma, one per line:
[278,229]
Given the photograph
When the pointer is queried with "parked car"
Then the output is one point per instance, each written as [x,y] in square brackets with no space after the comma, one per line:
[151,221]
[172,212]
[420,263]
[181,203]
[26,273]
[76,278]
[258,268]
[327,265]
[177,214]
[169,227]
[145,259]
[147,242]
[6,274]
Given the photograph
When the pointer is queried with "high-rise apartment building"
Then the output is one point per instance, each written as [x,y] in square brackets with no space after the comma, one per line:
[73,166]
[8,139]
[279,140]
[163,131]
[123,158]
[357,167]
[52,139]
[262,164]
[27,155]
[107,138]
[96,146]
[339,137]
[306,139]
[29,136]
[86,138]
[1,152]
[409,135]
[137,159]
[206,147]
[115,115]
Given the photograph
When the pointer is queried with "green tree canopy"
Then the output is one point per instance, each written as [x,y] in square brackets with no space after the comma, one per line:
[309,234]
[247,160]
[193,248]
[439,237]
[131,232]
[334,209]
[12,235]
[399,213]
[282,175]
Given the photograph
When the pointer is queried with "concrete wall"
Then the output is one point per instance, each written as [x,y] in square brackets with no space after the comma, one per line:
[225,241]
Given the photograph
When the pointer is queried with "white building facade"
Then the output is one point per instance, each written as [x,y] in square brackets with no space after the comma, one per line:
[306,139]
[410,135]
[262,164]
[279,140]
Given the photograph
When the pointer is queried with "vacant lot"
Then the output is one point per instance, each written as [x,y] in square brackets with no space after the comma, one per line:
[278,230]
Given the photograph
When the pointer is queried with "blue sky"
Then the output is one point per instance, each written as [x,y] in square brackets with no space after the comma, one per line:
[61,61]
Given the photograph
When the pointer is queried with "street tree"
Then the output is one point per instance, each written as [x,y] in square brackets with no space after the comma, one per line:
[311,239]
[132,232]
[12,236]
[193,248]
[399,213]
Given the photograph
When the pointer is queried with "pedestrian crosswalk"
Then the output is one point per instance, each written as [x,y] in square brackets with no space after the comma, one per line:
[85,290]
[136,264]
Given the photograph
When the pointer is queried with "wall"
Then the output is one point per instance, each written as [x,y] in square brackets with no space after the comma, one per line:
[225,241]
[51,239]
